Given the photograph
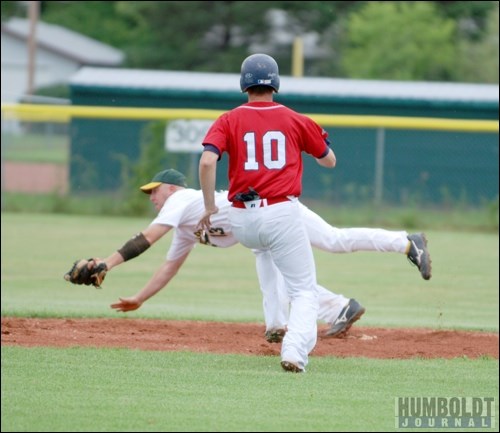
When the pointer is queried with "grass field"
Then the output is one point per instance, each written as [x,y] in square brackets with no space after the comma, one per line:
[36,147]
[125,390]
[84,389]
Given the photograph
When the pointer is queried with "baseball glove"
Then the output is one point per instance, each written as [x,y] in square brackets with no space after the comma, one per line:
[87,272]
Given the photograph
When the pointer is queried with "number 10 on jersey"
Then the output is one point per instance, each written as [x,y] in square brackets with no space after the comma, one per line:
[270,138]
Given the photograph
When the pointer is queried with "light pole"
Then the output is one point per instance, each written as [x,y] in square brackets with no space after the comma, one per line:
[33,14]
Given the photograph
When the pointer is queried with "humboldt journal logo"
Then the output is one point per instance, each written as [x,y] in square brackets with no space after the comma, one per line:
[445,412]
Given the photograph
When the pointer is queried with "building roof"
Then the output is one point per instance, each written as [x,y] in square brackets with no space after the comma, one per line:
[312,86]
[66,43]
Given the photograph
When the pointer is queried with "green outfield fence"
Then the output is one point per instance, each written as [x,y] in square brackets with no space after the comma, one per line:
[381,159]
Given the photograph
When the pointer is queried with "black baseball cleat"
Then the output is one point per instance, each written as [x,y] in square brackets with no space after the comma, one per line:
[419,255]
[291,367]
[349,314]
[275,335]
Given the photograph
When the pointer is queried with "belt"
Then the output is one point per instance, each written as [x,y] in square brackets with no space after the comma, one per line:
[261,202]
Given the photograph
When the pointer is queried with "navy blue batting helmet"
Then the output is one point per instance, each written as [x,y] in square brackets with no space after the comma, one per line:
[259,70]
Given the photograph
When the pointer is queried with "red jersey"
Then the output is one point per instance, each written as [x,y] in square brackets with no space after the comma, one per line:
[264,141]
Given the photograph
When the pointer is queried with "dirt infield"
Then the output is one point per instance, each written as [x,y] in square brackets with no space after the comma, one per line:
[241,338]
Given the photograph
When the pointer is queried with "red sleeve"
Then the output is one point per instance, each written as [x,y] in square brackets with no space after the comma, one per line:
[216,135]
[315,139]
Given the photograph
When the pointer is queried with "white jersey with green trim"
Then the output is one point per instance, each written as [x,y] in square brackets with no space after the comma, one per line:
[182,211]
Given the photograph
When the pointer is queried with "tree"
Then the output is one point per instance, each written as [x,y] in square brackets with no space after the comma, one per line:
[430,40]
[100,20]
[400,41]
[471,16]
[205,36]
[11,8]
[478,59]
[195,35]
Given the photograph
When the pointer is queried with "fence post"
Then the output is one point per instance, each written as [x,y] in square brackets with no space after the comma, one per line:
[379,166]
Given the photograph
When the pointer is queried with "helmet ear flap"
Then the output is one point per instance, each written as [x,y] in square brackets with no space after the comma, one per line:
[259,70]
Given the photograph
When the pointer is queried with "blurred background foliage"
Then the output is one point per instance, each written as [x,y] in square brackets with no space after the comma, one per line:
[403,40]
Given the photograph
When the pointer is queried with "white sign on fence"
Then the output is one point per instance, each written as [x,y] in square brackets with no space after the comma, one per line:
[186,135]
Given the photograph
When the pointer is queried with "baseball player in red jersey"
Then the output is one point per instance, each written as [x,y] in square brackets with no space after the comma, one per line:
[265,141]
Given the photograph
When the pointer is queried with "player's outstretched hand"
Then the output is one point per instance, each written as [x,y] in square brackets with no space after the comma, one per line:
[126,304]
[204,222]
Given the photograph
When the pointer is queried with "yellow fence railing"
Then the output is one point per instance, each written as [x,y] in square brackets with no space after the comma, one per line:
[64,113]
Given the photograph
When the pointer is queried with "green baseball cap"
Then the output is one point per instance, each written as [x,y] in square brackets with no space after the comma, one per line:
[170,176]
